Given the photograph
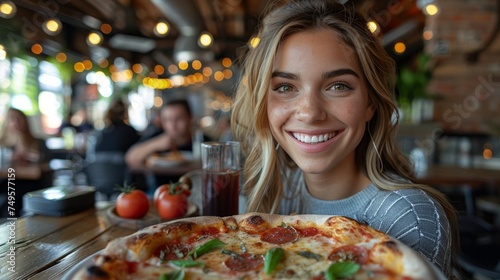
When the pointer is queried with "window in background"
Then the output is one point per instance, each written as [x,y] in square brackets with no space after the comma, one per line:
[50,97]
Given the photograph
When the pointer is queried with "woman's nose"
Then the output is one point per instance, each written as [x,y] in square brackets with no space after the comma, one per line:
[310,108]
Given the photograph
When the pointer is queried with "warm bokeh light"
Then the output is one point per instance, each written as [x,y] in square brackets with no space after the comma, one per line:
[7,9]
[79,67]
[428,34]
[205,39]
[207,71]
[226,62]
[113,68]
[161,29]
[106,28]
[159,69]
[198,77]
[487,154]
[183,65]
[61,57]
[431,9]
[372,26]
[196,64]
[158,102]
[52,26]
[94,38]
[103,63]
[254,42]
[173,69]
[88,64]
[227,74]
[218,76]
[399,47]
[36,49]
[137,68]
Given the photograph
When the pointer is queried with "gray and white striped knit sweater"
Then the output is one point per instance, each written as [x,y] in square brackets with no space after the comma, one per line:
[409,215]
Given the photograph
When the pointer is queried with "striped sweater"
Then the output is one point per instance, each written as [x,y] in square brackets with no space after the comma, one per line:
[409,215]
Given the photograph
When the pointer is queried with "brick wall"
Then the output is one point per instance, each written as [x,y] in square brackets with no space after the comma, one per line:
[468,93]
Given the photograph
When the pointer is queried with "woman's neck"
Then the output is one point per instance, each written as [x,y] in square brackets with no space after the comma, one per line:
[342,182]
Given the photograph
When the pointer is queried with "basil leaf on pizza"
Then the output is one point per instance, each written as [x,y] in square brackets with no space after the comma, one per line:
[273,256]
[341,270]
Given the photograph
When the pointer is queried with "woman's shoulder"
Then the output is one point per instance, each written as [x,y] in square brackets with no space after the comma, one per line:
[404,207]
[409,197]
[414,217]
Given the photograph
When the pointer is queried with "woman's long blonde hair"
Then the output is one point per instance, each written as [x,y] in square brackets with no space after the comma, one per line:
[386,166]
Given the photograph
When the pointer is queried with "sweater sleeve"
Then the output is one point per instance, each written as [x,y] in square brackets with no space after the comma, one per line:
[415,219]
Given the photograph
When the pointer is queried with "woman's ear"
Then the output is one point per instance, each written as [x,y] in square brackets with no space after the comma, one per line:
[370,111]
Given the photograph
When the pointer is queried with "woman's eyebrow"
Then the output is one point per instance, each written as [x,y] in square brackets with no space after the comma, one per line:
[285,75]
[340,72]
[329,74]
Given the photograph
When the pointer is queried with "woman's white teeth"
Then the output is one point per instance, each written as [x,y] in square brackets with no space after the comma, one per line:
[313,138]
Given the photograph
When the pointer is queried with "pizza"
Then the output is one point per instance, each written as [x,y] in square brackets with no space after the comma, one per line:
[258,246]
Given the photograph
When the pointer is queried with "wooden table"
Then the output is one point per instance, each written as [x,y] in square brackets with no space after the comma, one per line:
[456,175]
[170,170]
[48,247]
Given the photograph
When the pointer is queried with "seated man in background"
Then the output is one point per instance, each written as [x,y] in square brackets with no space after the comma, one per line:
[176,120]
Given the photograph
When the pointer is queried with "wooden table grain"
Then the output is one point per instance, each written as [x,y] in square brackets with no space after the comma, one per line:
[48,247]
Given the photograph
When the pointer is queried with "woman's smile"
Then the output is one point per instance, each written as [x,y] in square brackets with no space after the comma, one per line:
[314,139]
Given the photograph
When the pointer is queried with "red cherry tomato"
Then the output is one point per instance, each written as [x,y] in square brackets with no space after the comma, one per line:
[132,204]
[176,188]
[171,206]
[161,189]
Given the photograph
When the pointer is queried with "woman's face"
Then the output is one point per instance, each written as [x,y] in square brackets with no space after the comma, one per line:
[318,100]
[16,122]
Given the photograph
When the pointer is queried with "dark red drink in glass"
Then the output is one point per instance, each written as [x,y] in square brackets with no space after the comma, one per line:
[220,193]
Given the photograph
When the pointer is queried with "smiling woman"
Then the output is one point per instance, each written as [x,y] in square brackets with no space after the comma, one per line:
[316,107]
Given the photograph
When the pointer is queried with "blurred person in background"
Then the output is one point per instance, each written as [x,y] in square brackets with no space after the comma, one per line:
[117,134]
[79,121]
[25,149]
[177,123]
[105,166]
[176,120]
[17,136]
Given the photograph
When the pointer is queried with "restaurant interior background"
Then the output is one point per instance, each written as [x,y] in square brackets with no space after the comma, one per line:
[58,57]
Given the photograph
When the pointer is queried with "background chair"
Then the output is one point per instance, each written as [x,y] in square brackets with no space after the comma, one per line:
[106,171]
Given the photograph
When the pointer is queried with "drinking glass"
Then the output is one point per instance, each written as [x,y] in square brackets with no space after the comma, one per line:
[220,178]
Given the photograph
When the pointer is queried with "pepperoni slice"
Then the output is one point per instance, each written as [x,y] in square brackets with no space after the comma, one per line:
[353,253]
[307,232]
[244,262]
[280,235]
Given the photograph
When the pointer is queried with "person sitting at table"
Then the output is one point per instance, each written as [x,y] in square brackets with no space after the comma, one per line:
[105,159]
[117,135]
[17,136]
[176,120]
[318,107]
[26,150]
